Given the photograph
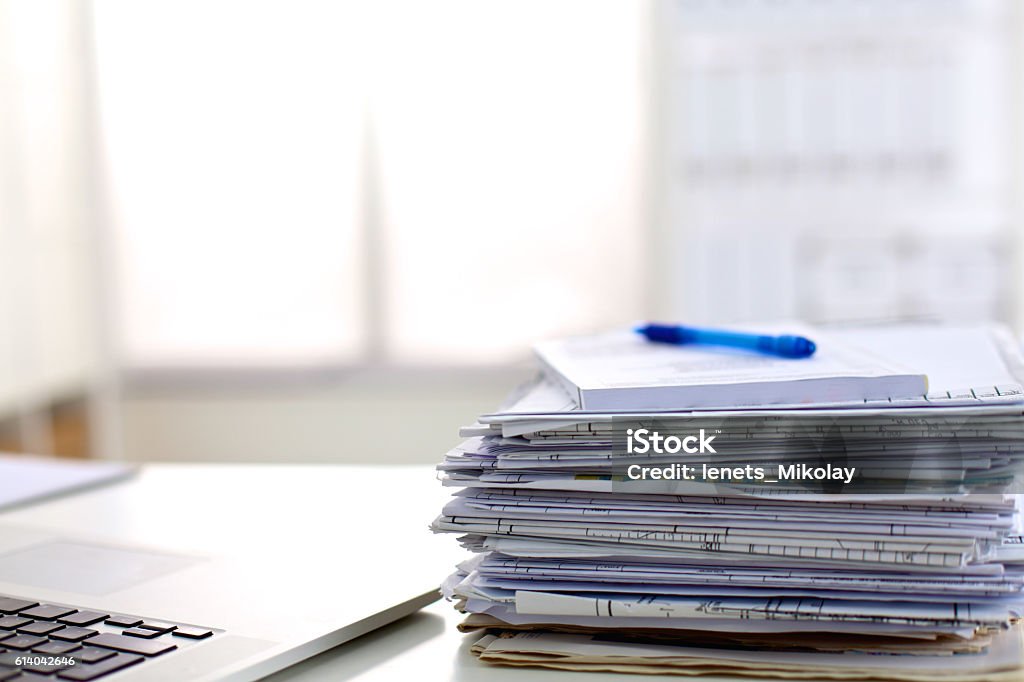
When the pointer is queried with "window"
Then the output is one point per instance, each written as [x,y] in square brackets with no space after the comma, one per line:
[447,181]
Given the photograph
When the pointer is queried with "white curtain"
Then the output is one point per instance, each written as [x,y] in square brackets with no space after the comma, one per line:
[48,348]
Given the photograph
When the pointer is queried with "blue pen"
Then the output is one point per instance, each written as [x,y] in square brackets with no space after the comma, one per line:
[785,346]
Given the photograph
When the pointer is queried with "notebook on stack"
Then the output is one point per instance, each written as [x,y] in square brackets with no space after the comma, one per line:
[912,569]
[621,370]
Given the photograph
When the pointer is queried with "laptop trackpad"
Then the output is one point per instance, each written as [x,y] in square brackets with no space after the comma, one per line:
[87,568]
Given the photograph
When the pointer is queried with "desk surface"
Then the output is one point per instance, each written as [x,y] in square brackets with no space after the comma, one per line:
[426,645]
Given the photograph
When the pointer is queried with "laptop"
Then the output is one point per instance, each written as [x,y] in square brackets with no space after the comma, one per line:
[213,572]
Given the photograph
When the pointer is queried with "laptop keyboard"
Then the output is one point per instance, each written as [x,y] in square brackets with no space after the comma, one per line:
[53,641]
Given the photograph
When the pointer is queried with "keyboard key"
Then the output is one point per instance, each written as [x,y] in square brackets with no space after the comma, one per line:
[56,648]
[91,654]
[39,627]
[13,622]
[158,626]
[9,605]
[59,640]
[143,633]
[123,621]
[131,645]
[23,642]
[73,634]
[191,633]
[83,618]
[86,672]
[46,612]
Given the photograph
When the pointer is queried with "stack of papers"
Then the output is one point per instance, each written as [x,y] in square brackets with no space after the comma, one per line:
[910,568]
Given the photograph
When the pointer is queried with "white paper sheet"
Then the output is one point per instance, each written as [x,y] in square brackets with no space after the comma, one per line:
[25,479]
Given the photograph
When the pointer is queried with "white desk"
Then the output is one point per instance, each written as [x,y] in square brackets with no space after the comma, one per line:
[426,646]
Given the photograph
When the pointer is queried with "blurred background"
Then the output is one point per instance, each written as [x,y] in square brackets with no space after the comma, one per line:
[329,231]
